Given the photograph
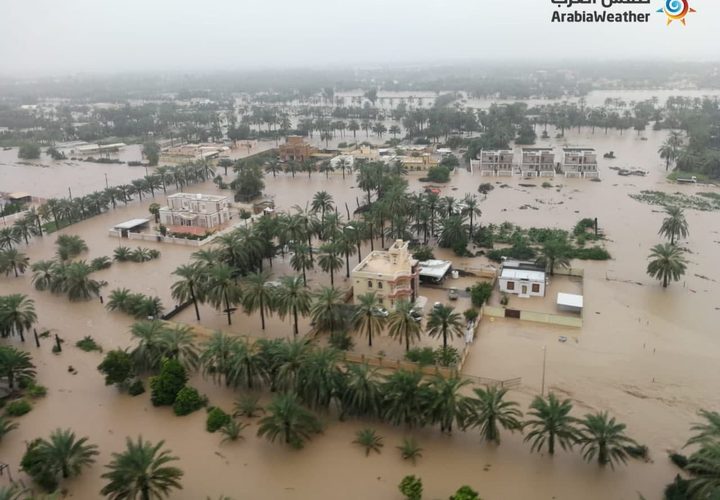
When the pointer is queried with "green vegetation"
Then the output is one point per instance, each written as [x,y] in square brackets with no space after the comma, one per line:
[29,151]
[369,440]
[703,203]
[134,304]
[410,450]
[117,367]
[411,487]
[480,293]
[667,263]
[139,254]
[88,344]
[216,419]
[188,400]
[440,173]
[166,386]
[17,408]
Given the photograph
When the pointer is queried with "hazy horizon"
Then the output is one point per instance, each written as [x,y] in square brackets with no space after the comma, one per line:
[44,37]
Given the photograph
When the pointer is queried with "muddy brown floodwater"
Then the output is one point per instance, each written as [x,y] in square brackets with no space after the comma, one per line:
[646,354]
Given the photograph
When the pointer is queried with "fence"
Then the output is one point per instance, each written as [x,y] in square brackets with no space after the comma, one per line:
[538,317]
[8,220]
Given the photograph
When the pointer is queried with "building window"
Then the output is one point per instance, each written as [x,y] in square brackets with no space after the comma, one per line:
[510,285]
[380,284]
[536,288]
[369,284]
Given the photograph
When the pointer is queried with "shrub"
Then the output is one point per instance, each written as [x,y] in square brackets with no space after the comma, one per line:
[166,386]
[583,225]
[411,487]
[593,253]
[480,293]
[36,391]
[483,237]
[99,263]
[465,493]
[136,388]
[421,355]
[117,366]
[88,344]
[485,188]
[679,460]
[678,489]
[423,253]
[471,314]
[18,408]
[29,151]
[216,418]
[438,174]
[187,401]
[638,451]
[547,184]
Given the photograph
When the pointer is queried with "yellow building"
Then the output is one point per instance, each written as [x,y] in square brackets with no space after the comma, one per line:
[392,275]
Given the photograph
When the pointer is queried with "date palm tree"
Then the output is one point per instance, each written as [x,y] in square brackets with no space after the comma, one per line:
[290,359]
[246,366]
[258,295]
[64,455]
[674,226]
[289,421]
[179,343]
[471,209]
[405,398]
[602,437]
[360,393]
[322,202]
[8,237]
[186,287]
[367,319]
[491,411]
[6,426]
[12,259]
[25,228]
[217,356]
[221,289]
[301,260]
[291,297]
[552,422]
[148,352]
[402,324]
[706,431]
[370,440]
[666,263]
[17,314]
[704,465]
[330,260]
[15,365]
[77,282]
[43,274]
[554,253]
[447,406]
[141,472]
[327,310]
[444,322]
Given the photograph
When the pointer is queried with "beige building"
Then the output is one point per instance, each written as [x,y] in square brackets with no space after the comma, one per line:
[580,162]
[186,212]
[392,275]
[538,162]
[498,162]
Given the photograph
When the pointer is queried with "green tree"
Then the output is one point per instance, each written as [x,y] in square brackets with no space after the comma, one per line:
[117,367]
[77,282]
[704,465]
[60,457]
[370,440]
[666,263]
[551,422]
[249,182]
[151,151]
[293,298]
[29,151]
[301,260]
[491,411]
[17,314]
[258,295]
[602,437]
[446,404]
[402,324]
[465,493]
[330,260]
[15,365]
[555,252]
[411,487]
[674,226]
[706,431]
[166,386]
[12,259]
[405,398]
[360,393]
[186,287]
[367,318]
[444,322]
[141,472]
[327,310]
[289,421]
[221,290]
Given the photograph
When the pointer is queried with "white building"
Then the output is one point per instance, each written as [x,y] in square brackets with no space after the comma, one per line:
[538,162]
[188,210]
[498,162]
[580,162]
[523,279]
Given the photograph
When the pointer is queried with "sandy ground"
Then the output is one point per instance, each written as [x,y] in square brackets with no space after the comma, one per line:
[646,354]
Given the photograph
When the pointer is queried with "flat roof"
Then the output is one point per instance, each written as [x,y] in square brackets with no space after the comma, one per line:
[523,275]
[537,149]
[198,196]
[434,268]
[18,195]
[578,149]
[570,299]
[130,224]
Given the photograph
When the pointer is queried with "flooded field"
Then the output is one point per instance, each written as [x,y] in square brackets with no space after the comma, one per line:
[646,354]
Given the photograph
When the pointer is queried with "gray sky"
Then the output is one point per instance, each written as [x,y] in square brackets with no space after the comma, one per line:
[68,36]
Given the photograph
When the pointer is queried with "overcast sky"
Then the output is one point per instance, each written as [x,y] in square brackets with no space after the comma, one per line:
[40,37]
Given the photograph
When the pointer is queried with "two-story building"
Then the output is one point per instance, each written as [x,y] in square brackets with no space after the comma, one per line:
[496,162]
[295,149]
[538,162]
[187,211]
[580,162]
[392,275]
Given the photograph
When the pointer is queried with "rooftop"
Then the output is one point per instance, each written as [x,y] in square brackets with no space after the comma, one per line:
[523,274]
[130,224]
[578,150]
[198,196]
[434,268]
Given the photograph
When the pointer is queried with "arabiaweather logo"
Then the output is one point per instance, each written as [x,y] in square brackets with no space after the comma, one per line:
[676,10]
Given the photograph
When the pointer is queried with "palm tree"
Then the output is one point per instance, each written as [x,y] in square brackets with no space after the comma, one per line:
[221,290]
[320,377]
[147,354]
[10,258]
[217,355]
[330,260]
[25,228]
[704,465]
[291,297]
[446,404]
[185,288]
[258,295]
[555,252]
[322,202]
[301,260]
[245,365]
[471,209]
[6,426]
[360,393]
[410,450]
[14,491]
[667,153]
[141,472]
[77,282]
[605,438]
[326,312]
[667,263]
[290,359]
[402,324]
[232,430]
[43,273]
[709,430]
[179,343]
[490,410]
[14,365]
[65,455]
[17,314]
[370,440]
[8,237]
[674,226]
[405,398]
[552,421]
[367,318]
[444,321]
[288,420]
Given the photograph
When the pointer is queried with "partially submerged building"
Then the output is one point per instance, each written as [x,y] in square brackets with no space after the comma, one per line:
[538,162]
[580,162]
[392,275]
[295,149]
[524,279]
[188,212]
[434,271]
[495,162]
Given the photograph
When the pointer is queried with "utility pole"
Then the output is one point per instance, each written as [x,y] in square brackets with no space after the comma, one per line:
[106,181]
[542,386]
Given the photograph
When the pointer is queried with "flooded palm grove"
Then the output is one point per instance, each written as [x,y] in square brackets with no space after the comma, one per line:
[646,354]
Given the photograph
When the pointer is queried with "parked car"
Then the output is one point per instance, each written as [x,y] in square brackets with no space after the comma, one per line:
[453,294]
[381,311]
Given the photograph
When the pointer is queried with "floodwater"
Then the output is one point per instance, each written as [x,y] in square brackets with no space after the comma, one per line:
[647,355]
